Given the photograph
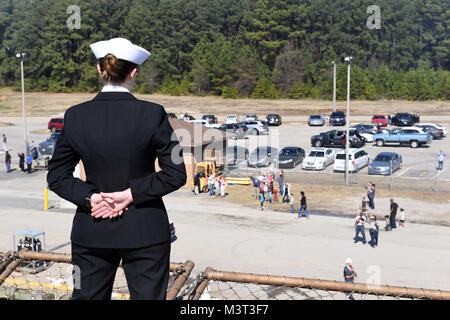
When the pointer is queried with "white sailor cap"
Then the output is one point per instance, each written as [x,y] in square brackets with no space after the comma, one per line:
[348,261]
[122,49]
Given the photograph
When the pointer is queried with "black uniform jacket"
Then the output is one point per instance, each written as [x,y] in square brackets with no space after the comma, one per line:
[118,138]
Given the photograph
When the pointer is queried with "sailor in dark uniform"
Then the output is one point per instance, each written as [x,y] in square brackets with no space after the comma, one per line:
[120,214]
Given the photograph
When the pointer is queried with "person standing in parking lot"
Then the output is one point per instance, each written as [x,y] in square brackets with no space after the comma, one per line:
[8,161]
[392,214]
[349,275]
[359,224]
[21,161]
[29,162]
[5,147]
[281,182]
[370,195]
[441,156]
[211,185]
[303,206]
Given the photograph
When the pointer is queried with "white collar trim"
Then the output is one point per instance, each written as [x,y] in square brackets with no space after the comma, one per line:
[113,88]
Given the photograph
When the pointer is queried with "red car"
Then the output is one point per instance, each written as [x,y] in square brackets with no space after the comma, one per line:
[380,120]
[55,124]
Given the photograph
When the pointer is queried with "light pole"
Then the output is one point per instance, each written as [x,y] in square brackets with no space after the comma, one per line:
[21,56]
[334,86]
[347,134]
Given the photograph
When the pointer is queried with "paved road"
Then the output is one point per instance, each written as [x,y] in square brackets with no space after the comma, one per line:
[232,237]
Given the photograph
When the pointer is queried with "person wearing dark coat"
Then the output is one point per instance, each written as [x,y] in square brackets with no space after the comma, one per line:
[120,215]
[21,161]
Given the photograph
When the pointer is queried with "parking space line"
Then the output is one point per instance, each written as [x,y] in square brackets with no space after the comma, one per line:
[404,171]
[439,172]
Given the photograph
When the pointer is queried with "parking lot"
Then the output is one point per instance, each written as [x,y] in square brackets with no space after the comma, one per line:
[418,164]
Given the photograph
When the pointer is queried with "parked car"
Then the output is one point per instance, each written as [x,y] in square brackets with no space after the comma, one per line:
[384,162]
[256,127]
[437,127]
[367,128]
[201,122]
[273,119]
[379,120]
[316,120]
[401,136]
[231,118]
[318,159]
[290,157]
[262,156]
[358,159]
[249,117]
[333,138]
[171,115]
[402,120]
[234,128]
[236,154]
[337,118]
[210,118]
[48,146]
[55,124]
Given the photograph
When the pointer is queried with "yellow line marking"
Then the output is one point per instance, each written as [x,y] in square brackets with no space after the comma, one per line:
[62,287]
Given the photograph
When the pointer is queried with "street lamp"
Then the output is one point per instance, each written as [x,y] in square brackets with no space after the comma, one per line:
[347,138]
[21,56]
[334,86]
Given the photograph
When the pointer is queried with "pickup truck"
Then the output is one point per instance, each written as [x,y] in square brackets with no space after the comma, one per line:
[402,136]
[333,138]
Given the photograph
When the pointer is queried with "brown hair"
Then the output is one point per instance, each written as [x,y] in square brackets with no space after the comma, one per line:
[114,69]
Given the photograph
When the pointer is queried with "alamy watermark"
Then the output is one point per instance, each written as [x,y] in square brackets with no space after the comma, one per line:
[374,20]
[74,20]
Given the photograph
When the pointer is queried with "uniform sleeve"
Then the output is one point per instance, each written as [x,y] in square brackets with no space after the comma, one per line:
[172,175]
[60,177]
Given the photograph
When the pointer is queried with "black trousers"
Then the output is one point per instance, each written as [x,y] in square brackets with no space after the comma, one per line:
[146,271]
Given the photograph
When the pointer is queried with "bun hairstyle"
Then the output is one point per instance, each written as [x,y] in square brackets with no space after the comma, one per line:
[114,69]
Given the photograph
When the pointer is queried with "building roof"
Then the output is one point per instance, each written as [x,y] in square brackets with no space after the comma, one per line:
[193,134]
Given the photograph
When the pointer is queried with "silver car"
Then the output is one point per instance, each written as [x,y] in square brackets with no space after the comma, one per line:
[256,127]
[383,163]
[262,157]
[315,120]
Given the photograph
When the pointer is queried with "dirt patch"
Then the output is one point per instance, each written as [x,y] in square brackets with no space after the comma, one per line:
[6,124]
[40,131]
[52,104]
[432,208]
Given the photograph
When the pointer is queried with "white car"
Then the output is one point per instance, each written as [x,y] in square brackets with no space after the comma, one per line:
[231,118]
[358,160]
[249,117]
[202,122]
[414,130]
[318,159]
[437,126]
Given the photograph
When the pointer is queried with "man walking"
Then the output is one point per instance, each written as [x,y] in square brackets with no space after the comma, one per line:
[392,214]
[349,275]
[303,206]
[441,156]
[359,223]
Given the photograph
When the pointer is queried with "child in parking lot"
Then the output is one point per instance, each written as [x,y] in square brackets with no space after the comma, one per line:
[262,199]
[292,203]
[388,223]
[402,217]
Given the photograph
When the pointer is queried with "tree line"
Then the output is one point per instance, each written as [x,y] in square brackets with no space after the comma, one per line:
[236,48]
